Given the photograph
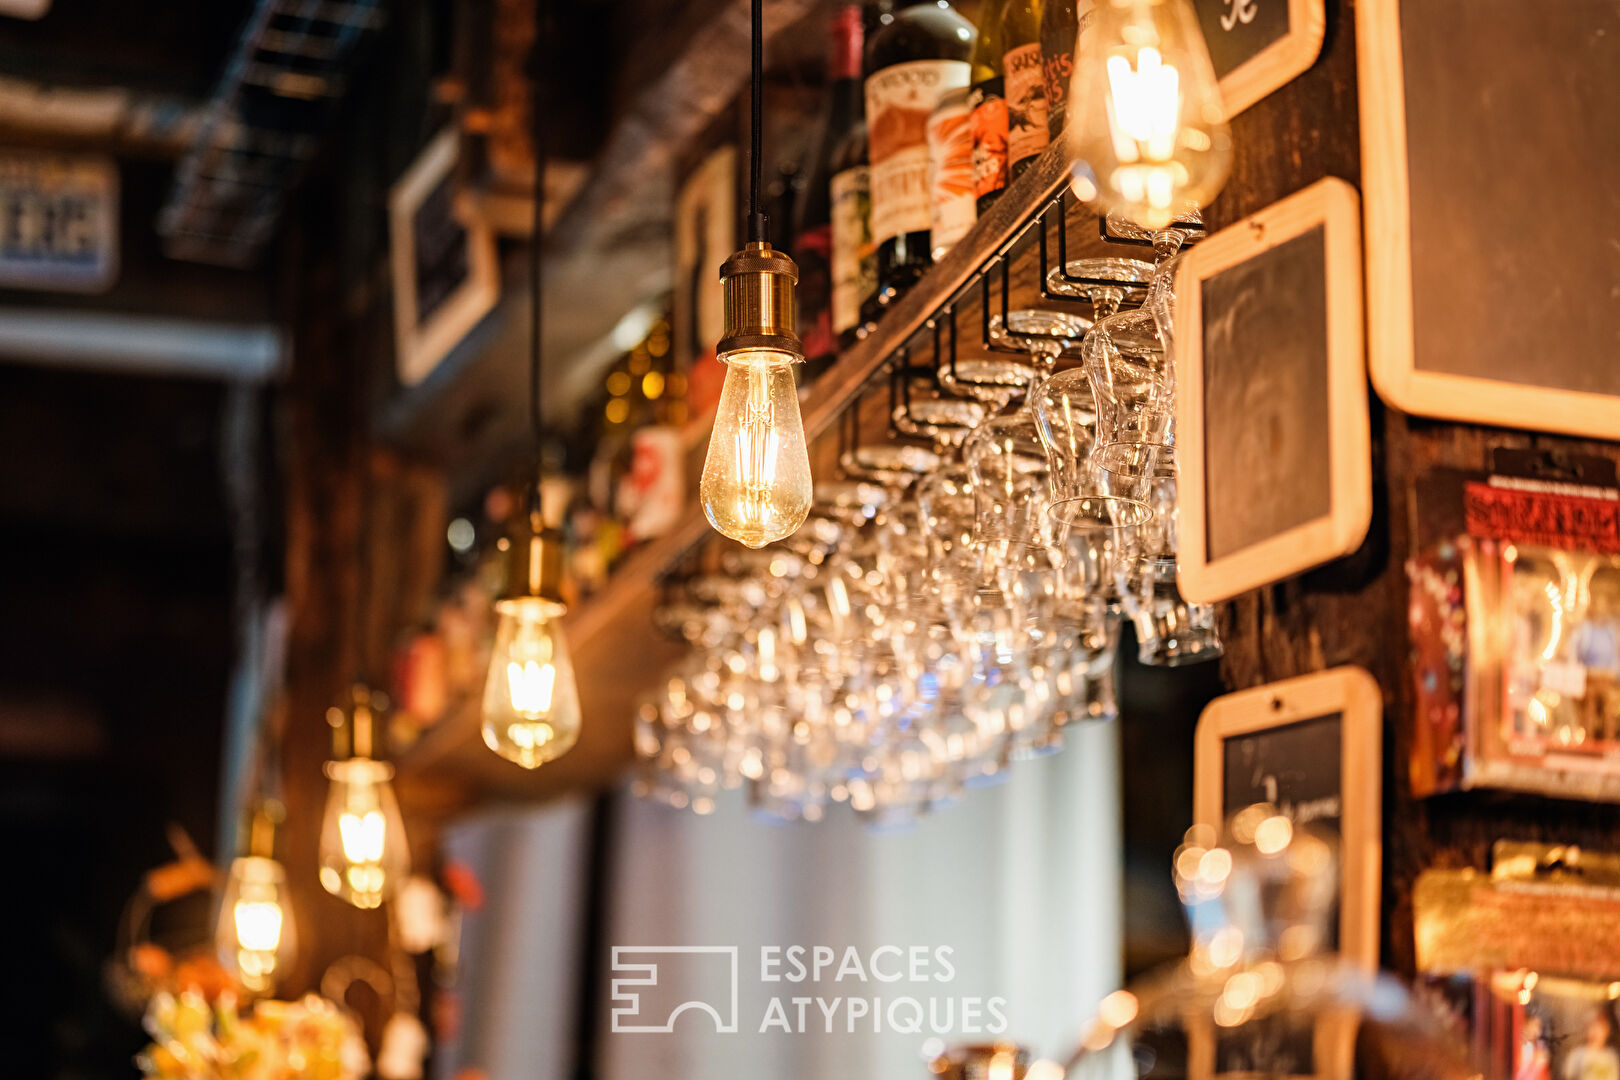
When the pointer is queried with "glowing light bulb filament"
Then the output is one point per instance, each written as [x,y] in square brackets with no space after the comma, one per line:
[531,686]
[757,446]
[1146,105]
[363,836]
[258,925]
[1144,119]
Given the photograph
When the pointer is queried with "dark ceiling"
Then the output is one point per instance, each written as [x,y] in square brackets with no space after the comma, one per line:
[174,47]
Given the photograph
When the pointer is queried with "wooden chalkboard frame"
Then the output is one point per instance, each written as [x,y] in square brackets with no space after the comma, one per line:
[1386,181]
[419,346]
[1333,205]
[1353,694]
[1281,62]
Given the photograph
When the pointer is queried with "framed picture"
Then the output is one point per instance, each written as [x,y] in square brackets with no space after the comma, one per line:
[446,276]
[1523,961]
[1514,610]
[1260,45]
[1493,260]
[1312,747]
[1271,411]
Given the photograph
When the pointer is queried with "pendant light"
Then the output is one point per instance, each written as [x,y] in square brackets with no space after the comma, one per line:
[1147,128]
[531,711]
[254,935]
[756,484]
[364,855]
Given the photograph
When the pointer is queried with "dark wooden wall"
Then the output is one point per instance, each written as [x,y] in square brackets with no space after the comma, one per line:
[1354,611]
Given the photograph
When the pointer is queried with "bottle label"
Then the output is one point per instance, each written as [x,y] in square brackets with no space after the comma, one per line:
[950,174]
[899,100]
[1026,103]
[1057,68]
[1060,49]
[854,256]
[989,139]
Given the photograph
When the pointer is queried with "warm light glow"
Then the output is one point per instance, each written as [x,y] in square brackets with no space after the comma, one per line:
[364,855]
[363,836]
[1273,834]
[530,685]
[1149,134]
[258,925]
[756,479]
[254,936]
[531,711]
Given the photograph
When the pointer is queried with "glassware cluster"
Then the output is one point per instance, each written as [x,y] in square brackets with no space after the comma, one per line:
[956,601]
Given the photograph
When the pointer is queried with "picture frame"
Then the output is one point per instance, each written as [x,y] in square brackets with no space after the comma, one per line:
[1522,961]
[1271,382]
[1275,63]
[446,275]
[1435,344]
[1298,714]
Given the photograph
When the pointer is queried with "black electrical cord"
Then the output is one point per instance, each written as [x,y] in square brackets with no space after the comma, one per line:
[756,215]
[537,242]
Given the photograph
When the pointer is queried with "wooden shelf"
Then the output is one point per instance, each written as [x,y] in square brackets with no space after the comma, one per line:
[618,654]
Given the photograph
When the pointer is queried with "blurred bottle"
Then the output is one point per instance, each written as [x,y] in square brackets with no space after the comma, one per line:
[854,255]
[950,170]
[1025,85]
[1062,22]
[988,101]
[813,242]
[912,63]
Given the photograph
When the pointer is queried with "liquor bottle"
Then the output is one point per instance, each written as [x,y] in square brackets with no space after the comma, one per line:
[911,63]
[950,171]
[988,103]
[1061,24]
[813,232]
[854,256]
[1025,87]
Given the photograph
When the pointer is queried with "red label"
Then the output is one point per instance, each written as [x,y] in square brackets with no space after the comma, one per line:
[989,143]
[1528,513]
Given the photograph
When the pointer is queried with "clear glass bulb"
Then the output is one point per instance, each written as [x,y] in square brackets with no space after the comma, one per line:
[756,480]
[364,855]
[254,936]
[531,703]
[1148,131]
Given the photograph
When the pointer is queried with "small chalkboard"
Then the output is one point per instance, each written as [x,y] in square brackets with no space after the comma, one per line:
[1493,281]
[444,267]
[1311,747]
[1271,415]
[1257,46]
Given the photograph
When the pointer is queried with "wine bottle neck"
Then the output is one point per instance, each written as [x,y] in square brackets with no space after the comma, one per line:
[848,37]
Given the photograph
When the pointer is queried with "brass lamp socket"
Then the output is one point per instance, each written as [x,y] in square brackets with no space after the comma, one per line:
[352,731]
[262,828]
[535,563]
[761,309]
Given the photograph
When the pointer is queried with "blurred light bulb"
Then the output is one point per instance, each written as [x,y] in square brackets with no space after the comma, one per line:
[363,853]
[531,705]
[254,936]
[1148,134]
[756,479]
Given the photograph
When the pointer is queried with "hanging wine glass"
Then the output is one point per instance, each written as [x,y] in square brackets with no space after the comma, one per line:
[1106,281]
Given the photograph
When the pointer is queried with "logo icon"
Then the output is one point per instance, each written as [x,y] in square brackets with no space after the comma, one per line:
[645,1000]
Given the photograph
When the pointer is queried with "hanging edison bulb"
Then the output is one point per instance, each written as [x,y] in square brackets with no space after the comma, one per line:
[1148,130]
[531,711]
[254,936]
[756,484]
[364,855]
